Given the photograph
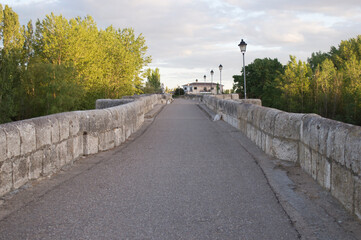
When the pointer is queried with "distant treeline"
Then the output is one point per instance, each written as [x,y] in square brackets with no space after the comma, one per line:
[62,65]
[328,84]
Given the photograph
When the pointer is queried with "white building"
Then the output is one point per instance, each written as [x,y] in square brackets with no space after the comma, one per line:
[201,88]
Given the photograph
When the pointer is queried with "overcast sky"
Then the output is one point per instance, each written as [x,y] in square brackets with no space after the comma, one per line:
[188,38]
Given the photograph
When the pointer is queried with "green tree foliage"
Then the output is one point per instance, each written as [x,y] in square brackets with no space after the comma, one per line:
[316,59]
[329,84]
[65,64]
[295,85]
[179,91]
[10,63]
[352,90]
[153,84]
[261,77]
[49,88]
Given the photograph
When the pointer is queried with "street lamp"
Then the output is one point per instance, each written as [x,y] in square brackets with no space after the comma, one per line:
[212,80]
[220,77]
[242,45]
[204,78]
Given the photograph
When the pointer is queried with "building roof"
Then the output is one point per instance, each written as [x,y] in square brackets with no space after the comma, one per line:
[200,83]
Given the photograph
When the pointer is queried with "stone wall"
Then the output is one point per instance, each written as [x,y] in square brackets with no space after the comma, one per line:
[330,151]
[39,147]
[107,103]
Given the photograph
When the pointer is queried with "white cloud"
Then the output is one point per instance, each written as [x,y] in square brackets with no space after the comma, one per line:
[26,2]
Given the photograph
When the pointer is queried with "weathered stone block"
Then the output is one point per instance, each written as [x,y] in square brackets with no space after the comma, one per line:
[353,150]
[285,149]
[336,142]
[106,140]
[227,96]
[62,149]
[257,116]
[288,125]
[3,154]
[251,132]
[91,144]
[69,151]
[20,171]
[119,137]
[315,160]
[13,140]
[130,116]
[234,96]
[27,136]
[258,139]
[325,128]
[121,115]
[64,126]
[324,172]
[267,120]
[78,146]
[242,126]
[357,201]
[249,101]
[140,121]
[301,157]
[83,121]
[309,133]
[50,160]
[230,108]
[307,160]
[116,118]
[97,120]
[264,139]
[55,131]
[43,131]
[6,181]
[268,144]
[251,118]
[128,130]
[74,124]
[109,123]
[108,103]
[36,165]
[242,112]
[342,185]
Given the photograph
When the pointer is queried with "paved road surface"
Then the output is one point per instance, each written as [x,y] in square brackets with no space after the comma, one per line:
[185,177]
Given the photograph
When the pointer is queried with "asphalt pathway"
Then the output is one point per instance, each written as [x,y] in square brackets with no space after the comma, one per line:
[183,178]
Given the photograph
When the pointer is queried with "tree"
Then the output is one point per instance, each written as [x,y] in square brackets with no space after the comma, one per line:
[352,90]
[295,85]
[179,91]
[108,62]
[261,77]
[316,59]
[65,64]
[153,84]
[10,62]
[326,81]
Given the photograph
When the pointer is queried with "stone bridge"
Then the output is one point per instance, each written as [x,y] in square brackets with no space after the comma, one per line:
[142,167]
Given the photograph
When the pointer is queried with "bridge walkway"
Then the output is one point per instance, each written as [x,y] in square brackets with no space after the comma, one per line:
[183,176]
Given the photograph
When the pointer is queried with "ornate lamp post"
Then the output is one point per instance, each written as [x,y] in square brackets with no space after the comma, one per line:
[212,80]
[242,45]
[220,77]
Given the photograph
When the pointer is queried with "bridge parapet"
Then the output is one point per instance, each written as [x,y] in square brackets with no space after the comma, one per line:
[328,150]
[39,147]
